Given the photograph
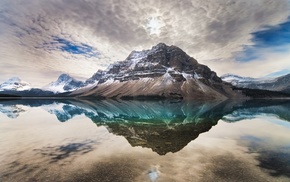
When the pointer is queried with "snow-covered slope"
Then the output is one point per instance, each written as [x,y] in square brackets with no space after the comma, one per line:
[15,84]
[64,83]
[163,71]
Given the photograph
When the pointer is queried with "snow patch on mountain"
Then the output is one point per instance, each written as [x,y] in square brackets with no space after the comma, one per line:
[196,76]
[186,76]
[167,79]
[109,81]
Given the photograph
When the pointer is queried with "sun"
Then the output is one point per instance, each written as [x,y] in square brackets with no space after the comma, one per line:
[154,25]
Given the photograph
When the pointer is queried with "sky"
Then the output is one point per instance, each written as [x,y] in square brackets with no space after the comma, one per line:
[41,39]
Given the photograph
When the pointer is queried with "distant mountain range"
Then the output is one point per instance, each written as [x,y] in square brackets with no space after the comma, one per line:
[61,87]
[161,72]
[281,84]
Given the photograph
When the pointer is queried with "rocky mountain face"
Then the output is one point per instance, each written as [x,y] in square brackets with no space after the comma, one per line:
[162,72]
[95,78]
[281,84]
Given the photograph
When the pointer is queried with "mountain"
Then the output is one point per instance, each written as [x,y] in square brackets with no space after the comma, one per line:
[161,72]
[64,83]
[281,84]
[15,84]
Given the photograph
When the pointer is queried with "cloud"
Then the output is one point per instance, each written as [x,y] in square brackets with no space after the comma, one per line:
[110,30]
[266,62]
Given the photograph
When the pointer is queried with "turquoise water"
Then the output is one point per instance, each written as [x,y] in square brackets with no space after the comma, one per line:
[110,140]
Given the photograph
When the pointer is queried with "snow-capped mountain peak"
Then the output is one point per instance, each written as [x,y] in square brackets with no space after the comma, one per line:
[64,78]
[15,84]
[64,83]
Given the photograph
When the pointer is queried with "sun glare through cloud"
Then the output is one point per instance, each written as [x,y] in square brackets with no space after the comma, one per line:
[154,25]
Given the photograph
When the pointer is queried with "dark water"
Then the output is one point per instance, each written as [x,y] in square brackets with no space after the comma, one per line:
[109,140]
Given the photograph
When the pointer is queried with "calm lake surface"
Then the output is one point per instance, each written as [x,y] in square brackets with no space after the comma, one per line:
[109,140]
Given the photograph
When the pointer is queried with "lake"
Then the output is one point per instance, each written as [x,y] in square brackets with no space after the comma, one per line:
[111,140]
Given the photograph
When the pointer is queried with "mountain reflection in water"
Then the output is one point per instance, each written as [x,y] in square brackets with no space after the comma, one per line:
[163,126]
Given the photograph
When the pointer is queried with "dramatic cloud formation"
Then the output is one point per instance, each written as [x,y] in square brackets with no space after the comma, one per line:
[41,39]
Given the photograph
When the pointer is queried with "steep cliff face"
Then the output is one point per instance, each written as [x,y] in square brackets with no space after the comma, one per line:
[163,72]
